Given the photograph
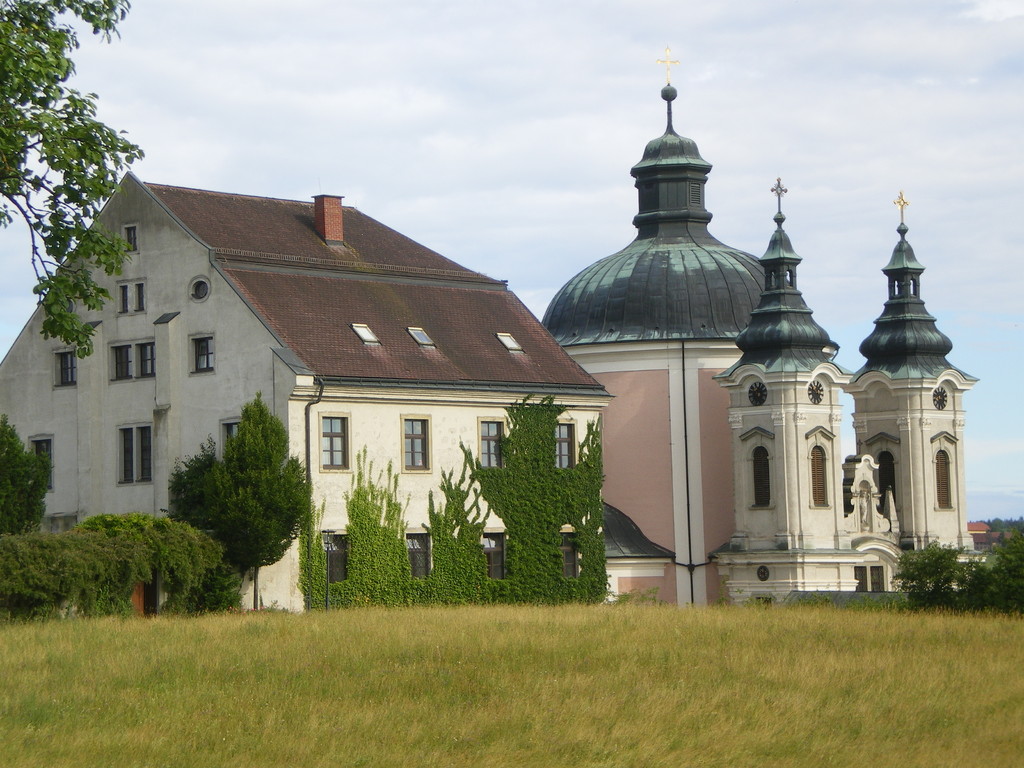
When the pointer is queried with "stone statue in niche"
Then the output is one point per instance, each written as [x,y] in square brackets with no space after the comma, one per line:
[871,513]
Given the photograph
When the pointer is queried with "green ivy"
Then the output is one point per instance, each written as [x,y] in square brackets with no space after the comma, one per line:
[313,560]
[459,573]
[534,498]
[378,564]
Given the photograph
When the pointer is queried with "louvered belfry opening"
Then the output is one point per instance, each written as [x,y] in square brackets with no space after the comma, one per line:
[762,477]
[886,473]
[819,496]
[942,494]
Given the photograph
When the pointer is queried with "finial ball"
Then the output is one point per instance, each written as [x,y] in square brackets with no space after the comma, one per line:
[669,93]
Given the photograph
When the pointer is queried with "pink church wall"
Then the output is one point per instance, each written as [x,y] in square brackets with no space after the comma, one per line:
[716,469]
[637,451]
[665,584]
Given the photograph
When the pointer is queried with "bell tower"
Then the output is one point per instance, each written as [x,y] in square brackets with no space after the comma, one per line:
[785,413]
[909,414]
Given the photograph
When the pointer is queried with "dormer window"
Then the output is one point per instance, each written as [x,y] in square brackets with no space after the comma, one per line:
[510,342]
[420,336]
[363,332]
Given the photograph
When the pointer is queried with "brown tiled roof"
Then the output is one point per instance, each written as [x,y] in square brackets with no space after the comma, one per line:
[282,230]
[313,312]
[310,293]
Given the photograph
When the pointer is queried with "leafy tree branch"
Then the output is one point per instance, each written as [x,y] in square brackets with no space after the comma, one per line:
[58,163]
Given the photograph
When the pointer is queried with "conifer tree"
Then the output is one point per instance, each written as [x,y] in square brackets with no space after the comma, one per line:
[254,501]
[24,476]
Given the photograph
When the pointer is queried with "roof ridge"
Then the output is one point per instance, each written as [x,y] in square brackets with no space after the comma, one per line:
[233,194]
[354,266]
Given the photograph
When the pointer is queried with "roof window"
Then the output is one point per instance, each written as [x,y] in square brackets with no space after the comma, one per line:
[510,342]
[363,332]
[420,336]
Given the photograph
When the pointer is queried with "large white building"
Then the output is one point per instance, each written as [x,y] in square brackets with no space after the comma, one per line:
[355,335]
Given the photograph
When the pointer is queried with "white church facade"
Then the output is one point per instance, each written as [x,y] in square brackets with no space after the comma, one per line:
[723,440]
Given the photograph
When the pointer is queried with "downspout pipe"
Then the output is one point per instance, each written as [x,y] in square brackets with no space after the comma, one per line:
[309,473]
[690,566]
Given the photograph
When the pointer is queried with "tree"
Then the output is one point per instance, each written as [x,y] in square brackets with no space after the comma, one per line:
[58,163]
[254,501]
[940,577]
[1008,575]
[24,476]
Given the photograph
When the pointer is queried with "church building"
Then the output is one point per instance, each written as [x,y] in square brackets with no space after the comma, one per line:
[723,440]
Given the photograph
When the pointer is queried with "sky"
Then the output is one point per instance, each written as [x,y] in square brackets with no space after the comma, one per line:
[501,134]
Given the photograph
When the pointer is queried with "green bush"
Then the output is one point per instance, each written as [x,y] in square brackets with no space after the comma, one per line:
[87,572]
[941,577]
[182,556]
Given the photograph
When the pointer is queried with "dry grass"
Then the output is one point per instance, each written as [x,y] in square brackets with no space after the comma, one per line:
[580,686]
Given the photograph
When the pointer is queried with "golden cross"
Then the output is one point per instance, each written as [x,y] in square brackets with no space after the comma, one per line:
[778,190]
[668,62]
[901,202]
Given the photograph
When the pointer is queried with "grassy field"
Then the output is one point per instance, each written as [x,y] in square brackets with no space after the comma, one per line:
[500,686]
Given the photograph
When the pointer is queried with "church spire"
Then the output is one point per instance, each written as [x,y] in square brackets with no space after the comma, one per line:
[670,180]
[905,342]
[782,335]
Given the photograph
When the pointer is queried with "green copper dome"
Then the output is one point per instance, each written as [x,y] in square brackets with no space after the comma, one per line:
[675,280]
[905,343]
[782,335]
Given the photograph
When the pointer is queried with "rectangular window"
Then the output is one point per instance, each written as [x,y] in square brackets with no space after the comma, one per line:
[136,454]
[570,557]
[44,447]
[334,443]
[490,443]
[877,578]
[140,297]
[565,446]
[145,441]
[230,430]
[416,444]
[127,473]
[122,361]
[336,545]
[67,369]
[122,298]
[202,357]
[147,359]
[494,551]
[418,545]
[860,573]
[131,236]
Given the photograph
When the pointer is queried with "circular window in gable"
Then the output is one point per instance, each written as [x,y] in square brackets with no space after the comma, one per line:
[199,289]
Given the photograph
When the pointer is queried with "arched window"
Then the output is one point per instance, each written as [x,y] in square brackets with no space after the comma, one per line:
[886,473]
[942,494]
[762,477]
[819,489]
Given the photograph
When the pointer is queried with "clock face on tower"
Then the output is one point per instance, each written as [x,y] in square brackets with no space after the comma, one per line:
[815,392]
[757,393]
[939,398]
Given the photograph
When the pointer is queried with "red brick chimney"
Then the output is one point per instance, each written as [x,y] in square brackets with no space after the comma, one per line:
[327,218]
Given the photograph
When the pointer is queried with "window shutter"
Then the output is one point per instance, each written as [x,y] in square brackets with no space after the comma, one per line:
[942,495]
[762,478]
[819,497]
